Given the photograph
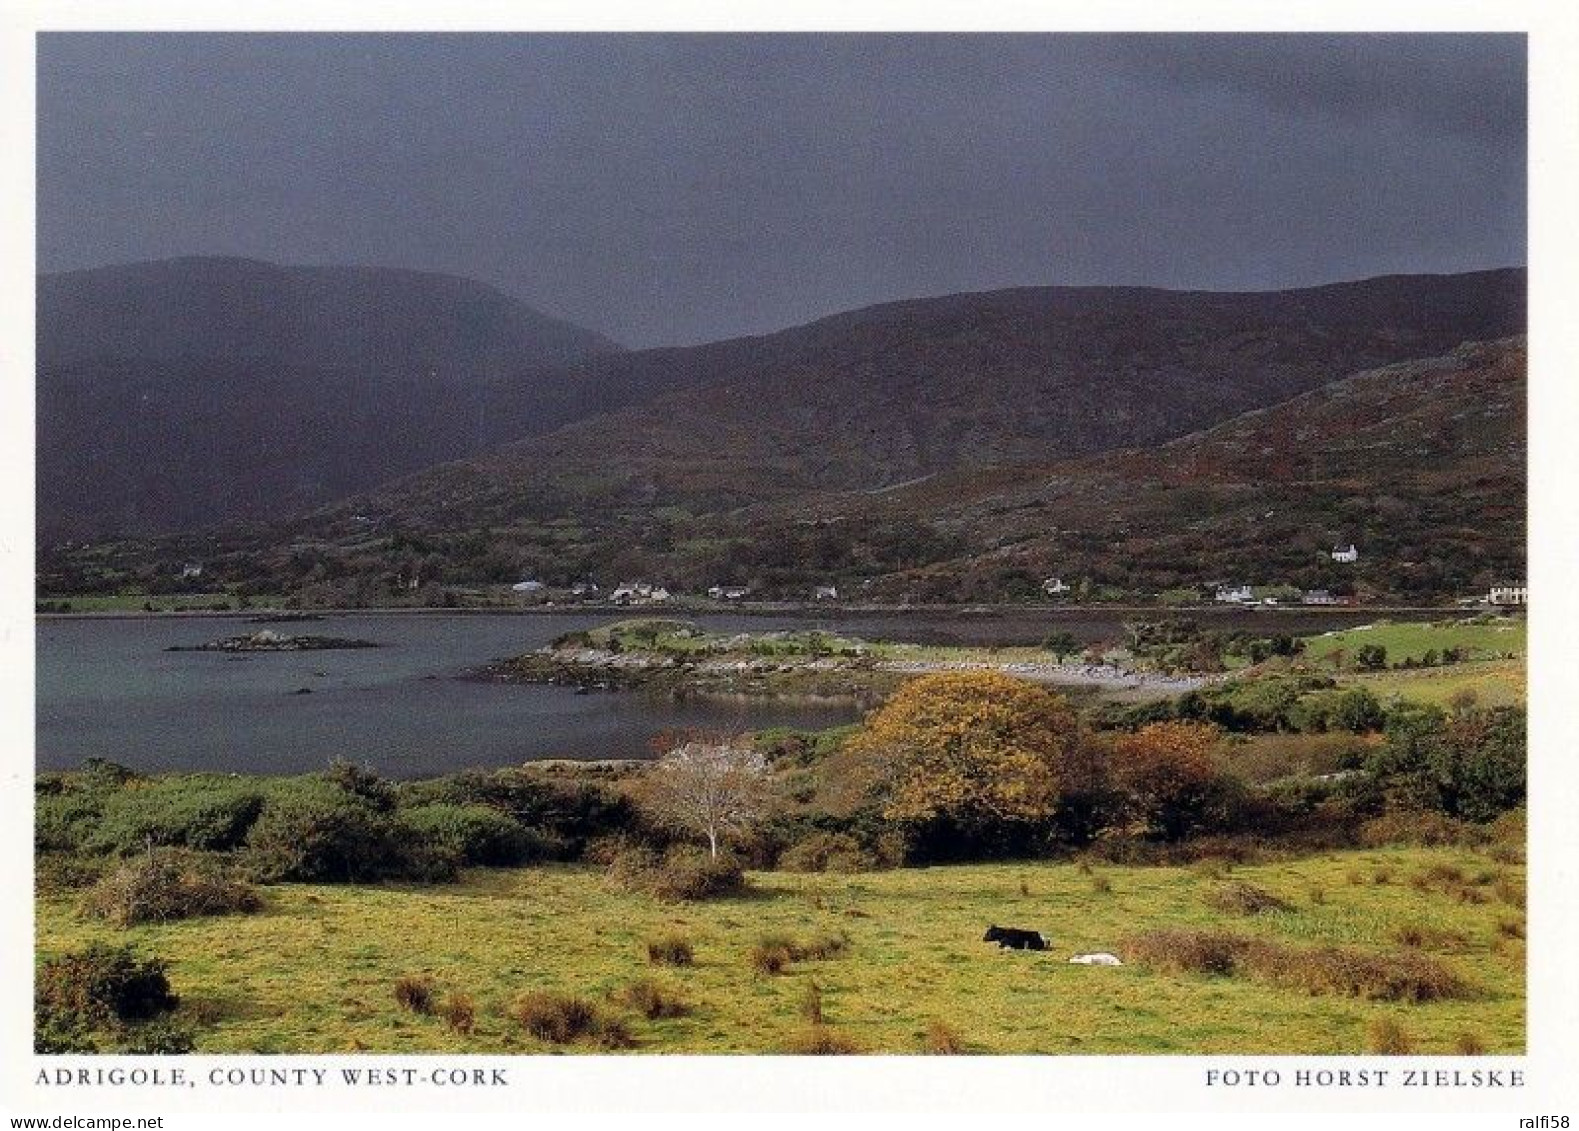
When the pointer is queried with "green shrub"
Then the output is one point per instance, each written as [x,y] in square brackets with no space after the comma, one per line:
[566,814]
[311,831]
[207,812]
[1469,765]
[476,834]
[63,822]
[163,1037]
[172,884]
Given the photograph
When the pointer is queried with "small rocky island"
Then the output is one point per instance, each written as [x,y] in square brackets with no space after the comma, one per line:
[267,640]
[679,659]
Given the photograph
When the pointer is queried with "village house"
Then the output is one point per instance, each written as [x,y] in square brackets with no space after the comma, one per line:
[1318,597]
[1234,594]
[825,593]
[1348,555]
[728,592]
[584,589]
[528,587]
[1053,586]
[1513,593]
[190,570]
[638,593]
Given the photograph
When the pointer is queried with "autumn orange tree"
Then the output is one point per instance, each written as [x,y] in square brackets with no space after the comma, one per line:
[969,755]
[1169,773]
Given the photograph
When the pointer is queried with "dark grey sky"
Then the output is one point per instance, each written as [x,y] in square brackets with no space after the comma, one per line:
[671,189]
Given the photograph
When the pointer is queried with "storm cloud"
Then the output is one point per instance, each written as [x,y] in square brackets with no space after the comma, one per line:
[679,188]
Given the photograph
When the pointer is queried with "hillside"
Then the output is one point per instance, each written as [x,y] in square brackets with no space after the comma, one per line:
[181,393]
[783,482]
[880,396]
[1422,464]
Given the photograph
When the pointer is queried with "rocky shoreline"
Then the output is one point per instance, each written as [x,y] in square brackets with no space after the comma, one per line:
[862,679]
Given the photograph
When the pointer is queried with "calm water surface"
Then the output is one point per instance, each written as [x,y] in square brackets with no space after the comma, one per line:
[108,689]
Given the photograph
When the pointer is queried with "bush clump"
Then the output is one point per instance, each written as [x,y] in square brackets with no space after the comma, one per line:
[1469,1044]
[415,993]
[459,1012]
[769,958]
[1318,970]
[341,828]
[1421,936]
[476,834]
[563,1019]
[821,1040]
[652,999]
[1240,898]
[774,952]
[101,991]
[683,875]
[1386,1037]
[55,872]
[827,852]
[206,812]
[941,1039]
[169,885]
[670,950]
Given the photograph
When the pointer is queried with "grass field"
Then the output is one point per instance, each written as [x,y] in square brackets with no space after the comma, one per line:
[316,970]
[1496,683]
[1494,639]
[168,603]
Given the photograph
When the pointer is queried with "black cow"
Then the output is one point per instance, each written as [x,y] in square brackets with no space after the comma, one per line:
[1012,938]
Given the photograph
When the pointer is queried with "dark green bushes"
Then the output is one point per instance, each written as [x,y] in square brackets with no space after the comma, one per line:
[1469,765]
[311,830]
[478,835]
[209,813]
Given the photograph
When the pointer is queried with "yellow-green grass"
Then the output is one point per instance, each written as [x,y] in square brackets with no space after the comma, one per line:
[316,971]
[1494,639]
[1496,683]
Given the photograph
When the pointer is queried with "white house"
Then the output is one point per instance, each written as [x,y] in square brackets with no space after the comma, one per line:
[825,593]
[584,589]
[1234,594]
[728,592]
[191,570]
[638,593]
[1054,586]
[1514,593]
[1347,554]
[1318,597]
[528,587]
